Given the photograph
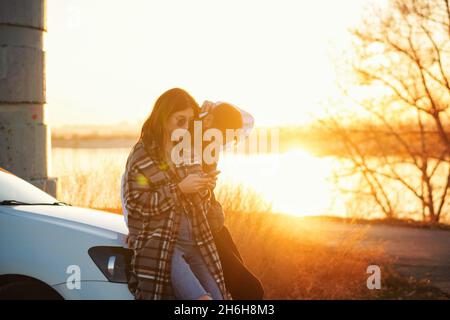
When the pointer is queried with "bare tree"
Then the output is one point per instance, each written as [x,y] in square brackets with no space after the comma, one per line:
[401,58]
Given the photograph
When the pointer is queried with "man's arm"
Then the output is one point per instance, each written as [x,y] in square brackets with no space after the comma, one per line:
[215,215]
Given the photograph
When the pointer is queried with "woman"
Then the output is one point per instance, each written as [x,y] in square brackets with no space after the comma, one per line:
[175,256]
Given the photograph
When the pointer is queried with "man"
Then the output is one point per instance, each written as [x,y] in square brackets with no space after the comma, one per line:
[241,283]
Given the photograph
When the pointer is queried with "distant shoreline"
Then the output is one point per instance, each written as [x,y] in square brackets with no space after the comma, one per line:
[93,143]
[316,141]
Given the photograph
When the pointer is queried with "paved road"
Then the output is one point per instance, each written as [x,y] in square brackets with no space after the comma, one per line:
[417,252]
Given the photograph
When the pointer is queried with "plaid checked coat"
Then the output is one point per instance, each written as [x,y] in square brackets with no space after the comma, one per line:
[154,203]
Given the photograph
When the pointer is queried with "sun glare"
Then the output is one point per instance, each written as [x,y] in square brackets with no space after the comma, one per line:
[295,182]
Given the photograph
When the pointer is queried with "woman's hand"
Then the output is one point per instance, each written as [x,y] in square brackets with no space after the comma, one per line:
[195,183]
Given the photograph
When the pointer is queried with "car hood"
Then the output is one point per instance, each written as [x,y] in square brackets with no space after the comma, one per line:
[68,214]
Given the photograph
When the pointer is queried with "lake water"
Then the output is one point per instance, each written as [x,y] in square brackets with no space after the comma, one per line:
[294,182]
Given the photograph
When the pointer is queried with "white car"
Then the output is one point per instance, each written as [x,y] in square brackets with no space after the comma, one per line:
[50,250]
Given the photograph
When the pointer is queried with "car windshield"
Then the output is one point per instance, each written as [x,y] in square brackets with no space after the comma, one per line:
[12,188]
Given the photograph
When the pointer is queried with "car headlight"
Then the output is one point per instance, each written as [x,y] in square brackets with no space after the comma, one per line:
[113,262]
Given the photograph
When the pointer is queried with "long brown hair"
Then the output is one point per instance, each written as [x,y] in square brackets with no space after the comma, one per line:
[171,101]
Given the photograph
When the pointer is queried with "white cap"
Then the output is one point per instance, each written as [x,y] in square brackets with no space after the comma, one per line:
[247,119]
[247,122]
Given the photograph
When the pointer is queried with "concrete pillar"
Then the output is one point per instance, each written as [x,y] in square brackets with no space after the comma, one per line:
[25,141]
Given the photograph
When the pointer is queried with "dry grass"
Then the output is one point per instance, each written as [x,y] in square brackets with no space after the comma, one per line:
[296,258]
[299,258]
[89,178]
[294,262]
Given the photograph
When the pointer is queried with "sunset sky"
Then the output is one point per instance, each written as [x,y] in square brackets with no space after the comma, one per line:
[108,61]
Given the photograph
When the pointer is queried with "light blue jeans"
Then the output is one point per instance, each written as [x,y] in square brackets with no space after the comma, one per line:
[190,275]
